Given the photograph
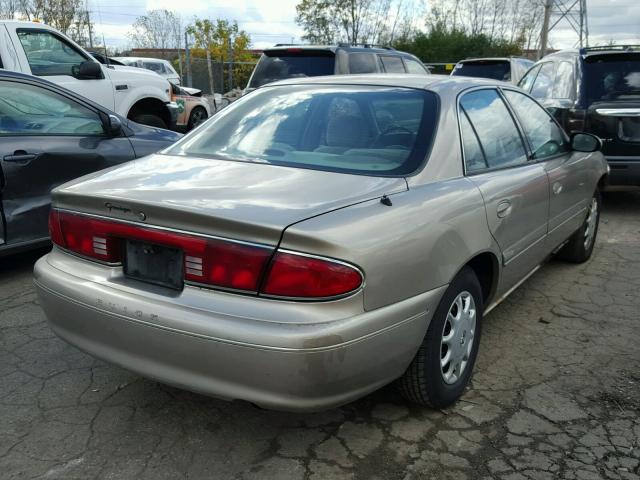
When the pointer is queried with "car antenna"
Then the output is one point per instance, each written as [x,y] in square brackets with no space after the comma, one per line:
[386,201]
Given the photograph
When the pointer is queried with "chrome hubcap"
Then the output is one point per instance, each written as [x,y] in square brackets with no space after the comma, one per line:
[592,218]
[458,335]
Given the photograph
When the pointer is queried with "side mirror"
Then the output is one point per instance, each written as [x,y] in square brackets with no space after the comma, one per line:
[114,127]
[88,71]
[585,142]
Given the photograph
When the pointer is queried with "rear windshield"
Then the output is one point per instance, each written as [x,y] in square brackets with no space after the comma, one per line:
[281,65]
[354,129]
[495,69]
[612,77]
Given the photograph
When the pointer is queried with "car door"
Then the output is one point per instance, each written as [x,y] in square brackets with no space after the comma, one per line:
[51,56]
[550,146]
[46,139]
[515,190]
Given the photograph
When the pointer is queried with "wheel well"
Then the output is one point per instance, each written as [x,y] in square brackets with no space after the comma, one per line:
[603,182]
[151,106]
[485,266]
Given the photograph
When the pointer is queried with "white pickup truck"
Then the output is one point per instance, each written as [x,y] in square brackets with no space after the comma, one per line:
[40,50]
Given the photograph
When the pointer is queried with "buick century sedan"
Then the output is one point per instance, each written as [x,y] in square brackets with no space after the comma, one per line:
[321,238]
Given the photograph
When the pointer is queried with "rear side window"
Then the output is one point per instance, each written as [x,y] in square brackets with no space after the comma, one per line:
[612,77]
[495,69]
[543,84]
[473,157]
[544,135]
[276,66]
[496,129]
[414,67]
[562,88]
[392,64]
[362,63]
[354,129]
[49,54]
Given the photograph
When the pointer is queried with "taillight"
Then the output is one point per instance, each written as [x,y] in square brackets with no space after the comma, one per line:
[301,276]
[211,261]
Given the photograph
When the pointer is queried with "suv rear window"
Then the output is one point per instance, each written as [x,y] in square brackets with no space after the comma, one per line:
[279,65]
[612,77]
[495,69]
[354,129]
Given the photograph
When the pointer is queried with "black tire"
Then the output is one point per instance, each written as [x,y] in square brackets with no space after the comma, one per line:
[196,117]
[149,119]
[424,382]
[575,251]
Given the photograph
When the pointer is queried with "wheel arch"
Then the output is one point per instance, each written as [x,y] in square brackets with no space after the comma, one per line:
[486,267]
[150,105]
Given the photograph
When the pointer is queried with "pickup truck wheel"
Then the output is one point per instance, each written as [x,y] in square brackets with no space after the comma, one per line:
[197,116]
[443,365]
[580,245]
[150,120]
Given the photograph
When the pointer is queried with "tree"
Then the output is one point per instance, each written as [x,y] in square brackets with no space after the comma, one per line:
[355,21]
[68,16]
[160,29]
[221,40]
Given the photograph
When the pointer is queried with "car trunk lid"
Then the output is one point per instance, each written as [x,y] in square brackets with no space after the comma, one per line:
[239,200]
[617,124]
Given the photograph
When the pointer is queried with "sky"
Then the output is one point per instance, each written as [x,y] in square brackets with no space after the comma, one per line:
[273,21]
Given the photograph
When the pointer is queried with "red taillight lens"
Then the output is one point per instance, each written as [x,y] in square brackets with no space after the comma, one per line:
[209,261]
[300,276]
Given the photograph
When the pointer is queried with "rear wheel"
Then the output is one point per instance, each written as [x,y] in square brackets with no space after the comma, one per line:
[580,245]
[444,363]
[197,116]
[149,119]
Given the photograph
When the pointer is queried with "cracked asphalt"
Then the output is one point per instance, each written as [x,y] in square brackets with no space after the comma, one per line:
[556,394]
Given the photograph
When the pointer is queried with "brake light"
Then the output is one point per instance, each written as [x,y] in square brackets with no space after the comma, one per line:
[210,261]
[302,276]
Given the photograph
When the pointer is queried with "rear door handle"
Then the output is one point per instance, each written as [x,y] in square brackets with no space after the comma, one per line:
[504,208]
[557,188]
[20,157]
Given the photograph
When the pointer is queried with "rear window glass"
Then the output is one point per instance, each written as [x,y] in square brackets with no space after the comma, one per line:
[354,129]
[612,77]
[414,67]
[392,64]
[497,70]
[289,65]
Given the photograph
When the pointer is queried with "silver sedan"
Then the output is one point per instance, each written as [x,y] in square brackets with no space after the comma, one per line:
[321,238]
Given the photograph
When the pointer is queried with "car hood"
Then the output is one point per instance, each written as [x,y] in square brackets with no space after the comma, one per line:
[241,200]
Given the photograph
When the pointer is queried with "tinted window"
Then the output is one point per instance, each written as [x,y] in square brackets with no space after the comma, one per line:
[154,67]
[29,110]
[544,135]
[48,54]
[414,67]
[496,69]
[368,130]
[362,63]
[528,79]
[495,127]
[473,157]
[281,66]
[543,84]
[612,76]
[563,85]
[392,64]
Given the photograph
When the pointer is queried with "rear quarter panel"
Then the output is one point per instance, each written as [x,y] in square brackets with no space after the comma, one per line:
[415,245]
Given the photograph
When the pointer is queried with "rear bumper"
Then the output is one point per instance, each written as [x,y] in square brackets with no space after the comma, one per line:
[625,171]
[318,356]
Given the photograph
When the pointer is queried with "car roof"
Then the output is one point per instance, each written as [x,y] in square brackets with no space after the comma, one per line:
[334,48]
[144,59]
[424,82]
[506,59]
[22,23]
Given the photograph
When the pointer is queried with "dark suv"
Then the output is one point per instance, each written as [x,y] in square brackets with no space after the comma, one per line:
[595,90]
[287,61]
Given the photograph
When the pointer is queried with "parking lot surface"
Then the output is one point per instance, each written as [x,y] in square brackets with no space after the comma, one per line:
[556,394]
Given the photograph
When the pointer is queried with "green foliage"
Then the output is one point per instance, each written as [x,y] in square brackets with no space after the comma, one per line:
[442,44]
[216,36]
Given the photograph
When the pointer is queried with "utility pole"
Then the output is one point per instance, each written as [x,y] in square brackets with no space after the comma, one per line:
[187,55]
[544,35]
[574,12]
[230,64]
